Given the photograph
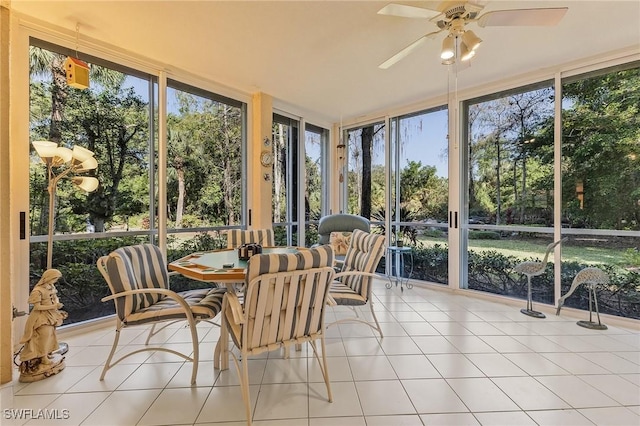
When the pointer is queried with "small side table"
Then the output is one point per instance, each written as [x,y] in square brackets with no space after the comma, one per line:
[401,270]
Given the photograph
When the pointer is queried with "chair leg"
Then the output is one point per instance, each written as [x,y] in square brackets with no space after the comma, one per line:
[107,364]
[375,318]
[324,367]
[196,350]
[243,374]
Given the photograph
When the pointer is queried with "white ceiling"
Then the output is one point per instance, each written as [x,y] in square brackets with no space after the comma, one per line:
[323,56]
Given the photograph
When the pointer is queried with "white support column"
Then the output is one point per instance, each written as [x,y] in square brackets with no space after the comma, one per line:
[557,186]
[162,162]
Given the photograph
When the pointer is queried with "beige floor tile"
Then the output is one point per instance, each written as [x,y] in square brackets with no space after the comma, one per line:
[495,365]
[393,329]
[337,421]
[574,364]
[451,329]
[362,346]
[575,392]
[540,344]
[151,376]
[621,390]
[481,394]
[293,370]
[529,394]
[413,367]
[61,382]
[176,406]
[483,329]
[224,404]
[535,364]
[454,365]
[613,416]
[345,400]
[339,370]
[435,345]
[559,418]
[436,316]
[206,375]
[18,410]
[399,346]
[470,344]
[612,363]
[230,377]
[385,397]
[433,396]
[123,408]
[453,419]
[420,329]
[505,419]
[505,344]
[371,368]
[112,380]
[394,420]
[282,401]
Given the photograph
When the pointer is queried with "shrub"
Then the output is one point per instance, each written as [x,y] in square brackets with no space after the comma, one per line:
[483,235]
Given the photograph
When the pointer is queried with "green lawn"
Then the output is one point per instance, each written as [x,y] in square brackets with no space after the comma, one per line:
[528,249]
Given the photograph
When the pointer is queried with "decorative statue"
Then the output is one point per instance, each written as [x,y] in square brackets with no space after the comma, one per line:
[37,361]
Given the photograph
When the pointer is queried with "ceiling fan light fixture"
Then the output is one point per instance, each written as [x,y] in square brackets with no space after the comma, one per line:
[471,40]
[465,52]
[448,48]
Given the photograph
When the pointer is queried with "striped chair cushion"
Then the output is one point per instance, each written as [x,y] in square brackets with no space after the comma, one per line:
[364,254]
[238,237]
[136,267]
[204,303]
[263,308]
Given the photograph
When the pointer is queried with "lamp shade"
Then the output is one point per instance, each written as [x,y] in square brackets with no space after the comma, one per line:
[88,164]
[63,155]
[88,184]
[471,40]
[448,48]
[81,154]
[45,149]
[465,52]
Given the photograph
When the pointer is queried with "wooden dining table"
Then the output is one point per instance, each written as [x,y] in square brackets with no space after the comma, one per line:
[222,266]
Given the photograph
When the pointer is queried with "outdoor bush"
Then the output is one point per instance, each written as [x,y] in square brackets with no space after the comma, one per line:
[483,235]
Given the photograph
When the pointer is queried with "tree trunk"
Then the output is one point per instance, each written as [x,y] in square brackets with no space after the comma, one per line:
[277,173]
[367,142]
[498,201]
[180,203]
[58,98]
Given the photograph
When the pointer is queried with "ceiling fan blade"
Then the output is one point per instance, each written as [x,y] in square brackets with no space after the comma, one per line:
[545,17]
[406,51]
[405,11]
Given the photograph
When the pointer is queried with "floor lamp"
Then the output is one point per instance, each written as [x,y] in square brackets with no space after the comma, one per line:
[64,163]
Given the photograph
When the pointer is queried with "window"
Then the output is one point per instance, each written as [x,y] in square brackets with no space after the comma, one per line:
[112,118]
[205,173]
[315,143]
[365,176]
[510,189]
[420,190]
[601,186]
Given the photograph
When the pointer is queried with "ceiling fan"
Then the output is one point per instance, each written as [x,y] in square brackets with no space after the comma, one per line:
[454,16]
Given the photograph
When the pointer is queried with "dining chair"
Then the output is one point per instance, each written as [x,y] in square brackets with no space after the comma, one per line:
[352,285]
[139,282]
[238,237]
[283,305]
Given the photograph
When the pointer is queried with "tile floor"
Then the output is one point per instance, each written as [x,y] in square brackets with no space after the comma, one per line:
[446,359]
